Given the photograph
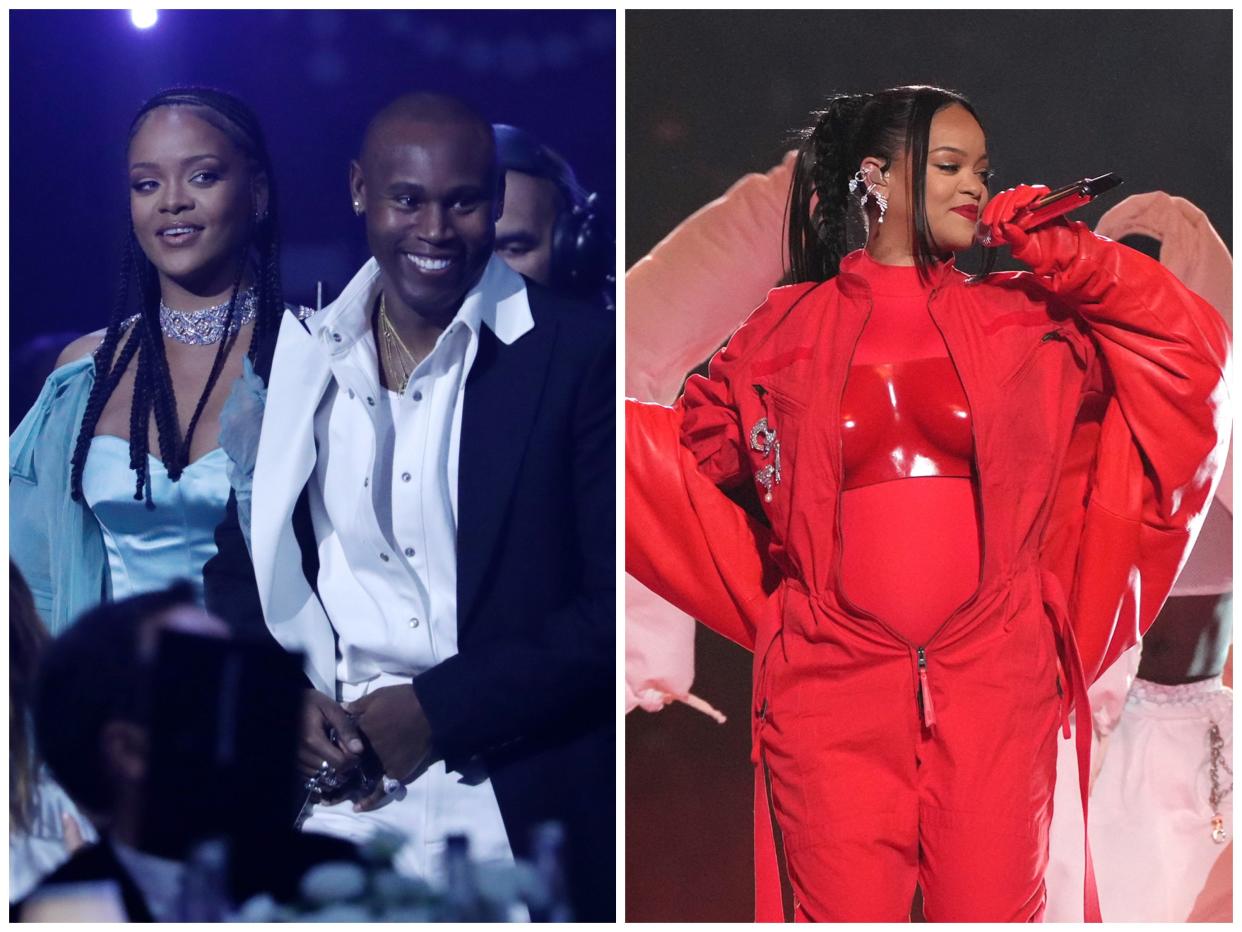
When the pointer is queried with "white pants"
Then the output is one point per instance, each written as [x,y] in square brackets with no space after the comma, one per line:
[1151,817]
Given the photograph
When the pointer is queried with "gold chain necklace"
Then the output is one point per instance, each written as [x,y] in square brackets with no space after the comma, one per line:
[395,348]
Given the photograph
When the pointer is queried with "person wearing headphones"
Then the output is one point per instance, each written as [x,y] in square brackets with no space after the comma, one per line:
[551,229]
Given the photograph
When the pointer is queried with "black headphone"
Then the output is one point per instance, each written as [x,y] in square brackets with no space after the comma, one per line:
[583,248]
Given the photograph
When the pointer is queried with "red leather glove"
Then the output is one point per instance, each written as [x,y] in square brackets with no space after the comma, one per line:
[1001,222]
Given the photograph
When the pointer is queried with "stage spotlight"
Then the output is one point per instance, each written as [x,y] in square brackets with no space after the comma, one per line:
[144,17]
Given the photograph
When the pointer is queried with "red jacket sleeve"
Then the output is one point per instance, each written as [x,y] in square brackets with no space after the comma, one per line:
[711,428]
[1158,433]
[684,539]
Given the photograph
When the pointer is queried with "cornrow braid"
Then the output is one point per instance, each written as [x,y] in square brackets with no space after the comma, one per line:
[153,387]
[154,373]
[105,367]
[216,365]
[271,304]
[818,236]
[140,413]
[128,351]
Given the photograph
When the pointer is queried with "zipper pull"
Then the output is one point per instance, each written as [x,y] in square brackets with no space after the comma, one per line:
[929,712]
[1060,334]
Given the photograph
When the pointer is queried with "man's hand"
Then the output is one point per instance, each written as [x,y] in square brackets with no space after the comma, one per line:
[393,721]
[319,715]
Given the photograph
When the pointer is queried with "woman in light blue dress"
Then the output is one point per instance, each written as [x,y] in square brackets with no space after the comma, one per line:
[117,479]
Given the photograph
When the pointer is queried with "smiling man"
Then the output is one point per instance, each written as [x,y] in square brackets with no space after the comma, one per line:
[432,525]
[428,183]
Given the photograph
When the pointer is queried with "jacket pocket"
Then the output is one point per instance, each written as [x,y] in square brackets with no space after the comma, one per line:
[784,402]
[1062,334]
[771,440]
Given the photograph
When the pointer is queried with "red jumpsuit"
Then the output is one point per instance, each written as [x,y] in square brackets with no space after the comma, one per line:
[1099,405]
[909,529]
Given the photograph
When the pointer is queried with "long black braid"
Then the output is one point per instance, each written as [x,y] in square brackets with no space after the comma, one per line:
[850,128]
[153,389]
[818,237]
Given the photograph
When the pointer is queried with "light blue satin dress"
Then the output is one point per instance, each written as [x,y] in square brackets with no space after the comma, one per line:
[149,549]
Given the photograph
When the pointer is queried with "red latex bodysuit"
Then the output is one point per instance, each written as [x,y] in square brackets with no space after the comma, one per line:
[1098,400]
[910,532]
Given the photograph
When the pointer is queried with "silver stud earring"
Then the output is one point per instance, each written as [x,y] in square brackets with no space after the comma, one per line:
[357,208]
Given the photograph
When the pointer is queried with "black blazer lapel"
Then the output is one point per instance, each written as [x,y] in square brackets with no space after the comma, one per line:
[503,395]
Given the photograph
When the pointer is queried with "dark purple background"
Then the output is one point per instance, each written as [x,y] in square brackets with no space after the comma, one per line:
[314,78]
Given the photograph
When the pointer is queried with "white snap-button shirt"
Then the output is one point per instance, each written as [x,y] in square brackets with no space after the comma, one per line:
[383,501]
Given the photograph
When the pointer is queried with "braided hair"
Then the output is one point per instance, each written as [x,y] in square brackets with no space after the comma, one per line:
[850,128]
[153,389]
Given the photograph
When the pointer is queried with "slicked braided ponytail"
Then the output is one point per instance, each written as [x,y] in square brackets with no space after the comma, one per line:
[818,238]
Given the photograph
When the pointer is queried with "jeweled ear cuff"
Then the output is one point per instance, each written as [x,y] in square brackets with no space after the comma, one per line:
[862,182]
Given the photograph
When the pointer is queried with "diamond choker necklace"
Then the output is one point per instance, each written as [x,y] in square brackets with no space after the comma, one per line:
[206,326]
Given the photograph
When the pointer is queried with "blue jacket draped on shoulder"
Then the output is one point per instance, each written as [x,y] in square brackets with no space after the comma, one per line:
[55,542]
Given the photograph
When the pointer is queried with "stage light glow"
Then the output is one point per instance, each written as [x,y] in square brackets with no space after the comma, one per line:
[144,17]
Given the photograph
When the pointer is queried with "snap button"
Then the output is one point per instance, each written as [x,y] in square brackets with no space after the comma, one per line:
[405,477]
[418,396]
[370,401]
[336,338]
[409,551]
[414,622]
[384,557]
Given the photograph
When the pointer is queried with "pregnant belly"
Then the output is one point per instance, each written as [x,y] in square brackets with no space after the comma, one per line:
[911,551]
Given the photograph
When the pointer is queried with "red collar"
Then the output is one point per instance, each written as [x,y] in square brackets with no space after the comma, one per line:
[853,283]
